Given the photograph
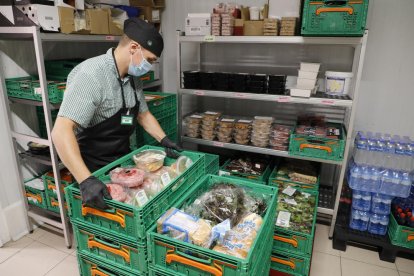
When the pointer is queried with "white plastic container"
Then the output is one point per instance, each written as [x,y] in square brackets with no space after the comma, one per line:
[310,67]
[306,83]
[307,75]
[338,83]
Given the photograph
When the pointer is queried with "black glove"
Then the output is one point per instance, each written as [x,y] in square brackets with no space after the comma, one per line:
[170,146]
[93,192]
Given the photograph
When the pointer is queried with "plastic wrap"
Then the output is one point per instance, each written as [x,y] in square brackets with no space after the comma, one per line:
[181,165]
[150,160]
[152,185]
[137,197]
[127,177]
[117,192]
[238,241]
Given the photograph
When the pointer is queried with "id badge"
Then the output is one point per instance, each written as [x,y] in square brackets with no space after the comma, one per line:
[127,120]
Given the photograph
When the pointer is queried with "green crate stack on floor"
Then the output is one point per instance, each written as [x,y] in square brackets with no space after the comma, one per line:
[50,188]
[164,108]
[114,241]
[293,241]
[169,256]
[35,192]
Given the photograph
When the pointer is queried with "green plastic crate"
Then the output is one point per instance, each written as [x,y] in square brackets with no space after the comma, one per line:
[296,242]
[148,77]
[61,67]
[42,122]
[317,147]
[125,219]
[400,235]
[89,266]
[212,163]
[161,104]
[334,18]
[173,255]
[290,263]
[168,124]
[29,88]
[125,254]
[262,179]
[283,184]
[53,204]
[49,181]
[36,197]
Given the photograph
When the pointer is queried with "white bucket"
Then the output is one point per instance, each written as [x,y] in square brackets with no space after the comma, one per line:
[254,13]
[338,83]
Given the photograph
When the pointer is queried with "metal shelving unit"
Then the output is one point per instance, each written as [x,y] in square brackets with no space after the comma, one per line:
[319,102]
[33,34]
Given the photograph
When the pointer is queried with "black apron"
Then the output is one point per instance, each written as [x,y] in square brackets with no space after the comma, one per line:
[109,140]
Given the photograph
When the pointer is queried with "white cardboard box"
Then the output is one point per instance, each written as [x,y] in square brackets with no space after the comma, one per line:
[198,20]
[306,83]
[307,75]
[284,8]
[302,92]
[197,30]
[310,67]
[44,16]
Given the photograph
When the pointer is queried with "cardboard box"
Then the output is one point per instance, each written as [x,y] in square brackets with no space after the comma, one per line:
[115,29]
[97,21]
[198,24]
[238,22]
[141,3]
[253,28]
[156,15]
[281,8]
[44,16]
[147,13]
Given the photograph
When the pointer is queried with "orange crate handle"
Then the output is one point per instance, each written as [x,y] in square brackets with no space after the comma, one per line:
[38,197]
[146,78]
[97,272]
[117,217]
[292,242]
[51,187]
[172,257]
[349,10]
[290,264]
[410,237]
[56,204]
[309,146]
[124,253]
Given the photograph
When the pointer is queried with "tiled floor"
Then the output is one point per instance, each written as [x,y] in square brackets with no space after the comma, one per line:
[44,253]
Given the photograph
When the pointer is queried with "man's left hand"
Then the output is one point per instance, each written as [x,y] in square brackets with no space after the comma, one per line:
[170,147]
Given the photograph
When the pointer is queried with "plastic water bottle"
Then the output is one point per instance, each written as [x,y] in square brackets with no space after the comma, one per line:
[354,175]
[378,224]
[361,200]
[406,169]
[361,149]
[359,220]
[388,173]
[381,204]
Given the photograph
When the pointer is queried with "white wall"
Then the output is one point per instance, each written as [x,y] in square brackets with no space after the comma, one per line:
[386,95]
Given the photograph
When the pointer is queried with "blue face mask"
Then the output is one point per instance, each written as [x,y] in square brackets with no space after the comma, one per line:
[141,69]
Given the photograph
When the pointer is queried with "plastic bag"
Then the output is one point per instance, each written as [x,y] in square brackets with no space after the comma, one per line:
[152,185]
[127,177]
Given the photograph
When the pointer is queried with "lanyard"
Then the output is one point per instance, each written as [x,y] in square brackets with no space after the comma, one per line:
[120,81]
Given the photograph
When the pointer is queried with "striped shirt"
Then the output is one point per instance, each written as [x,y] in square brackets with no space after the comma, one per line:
[93,92]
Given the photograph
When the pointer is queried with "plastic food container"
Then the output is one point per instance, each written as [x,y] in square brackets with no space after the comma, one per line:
[210,115]
[262,120]
[226,122]
[193,119]
[338,83]
[260,136]
[242,141]
[207,132]
[150,160]
[225,131]
[243,132]
[182,163]
[243,124]
[208,137]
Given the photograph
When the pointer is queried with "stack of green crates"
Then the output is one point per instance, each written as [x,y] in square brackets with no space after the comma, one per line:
[50,188]
[29,88]
[164,108]
[334,18]
[169,256]
[114,241]
[261,179]
[60,69]
[35,193]
[292,250]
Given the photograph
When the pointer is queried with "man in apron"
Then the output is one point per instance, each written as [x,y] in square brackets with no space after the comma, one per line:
[102,105]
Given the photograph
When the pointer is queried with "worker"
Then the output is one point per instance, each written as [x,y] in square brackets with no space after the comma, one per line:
[102,105]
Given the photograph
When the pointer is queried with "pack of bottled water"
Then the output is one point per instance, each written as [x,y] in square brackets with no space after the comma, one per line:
[382,164]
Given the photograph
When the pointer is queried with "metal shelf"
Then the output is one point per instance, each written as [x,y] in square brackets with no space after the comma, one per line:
[319,99]
[33,103]
[59,37]
[352,41]
[254,149]
[41,159]
[325,211]
[152,84]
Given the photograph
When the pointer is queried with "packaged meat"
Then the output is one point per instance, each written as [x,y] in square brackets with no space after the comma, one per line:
[152,185]
[127,177]
[182,164]
[245,166]
[311,130]
[166,174]
[281,148]
[137,197]
[150,160]
[117,192]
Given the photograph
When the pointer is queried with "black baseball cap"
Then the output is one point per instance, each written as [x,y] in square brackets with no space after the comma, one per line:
[145,34]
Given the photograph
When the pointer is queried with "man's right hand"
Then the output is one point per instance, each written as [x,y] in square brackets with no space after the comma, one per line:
[93,192]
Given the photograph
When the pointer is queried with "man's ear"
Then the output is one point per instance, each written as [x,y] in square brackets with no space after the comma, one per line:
[133,47]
